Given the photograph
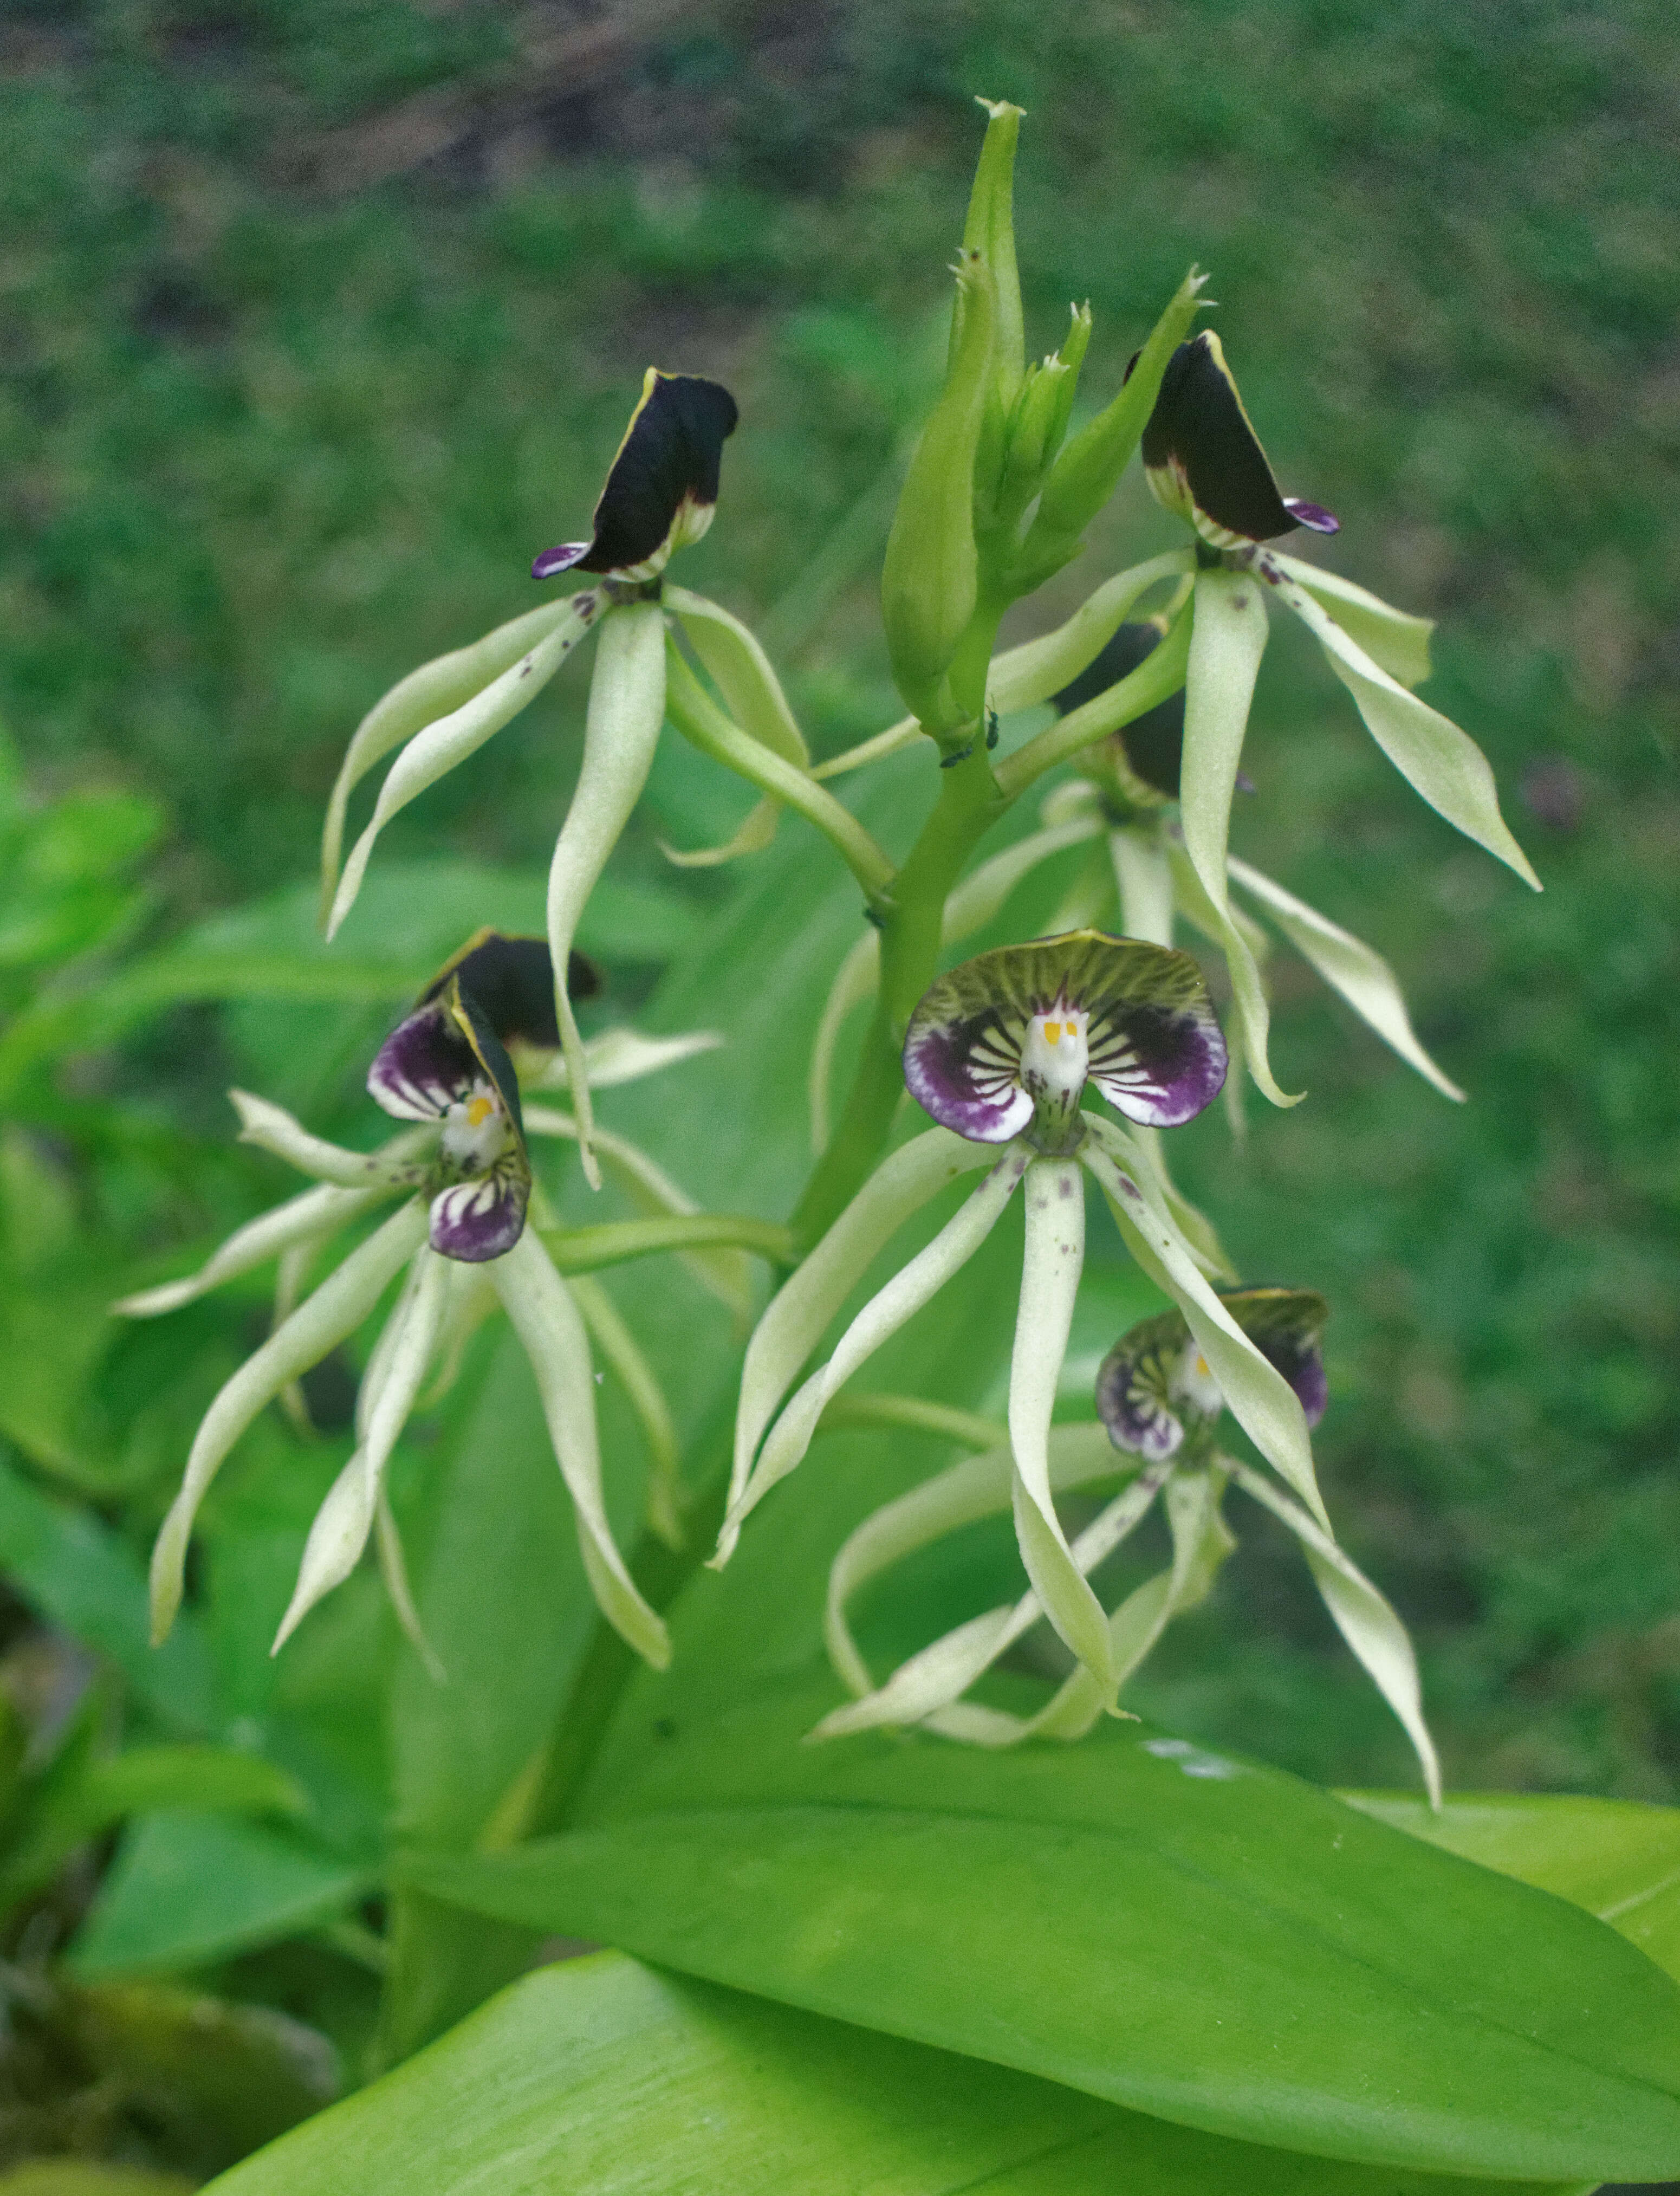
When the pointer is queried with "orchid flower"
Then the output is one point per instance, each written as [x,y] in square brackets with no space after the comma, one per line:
[1133,776]
[660,496]
[1159,1404]
[460,1175]
[999,1053]
[1205,462]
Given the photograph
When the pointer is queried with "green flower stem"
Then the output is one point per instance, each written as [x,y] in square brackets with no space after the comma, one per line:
[1159,675]
[584,1250]
[699,720]
[969,804]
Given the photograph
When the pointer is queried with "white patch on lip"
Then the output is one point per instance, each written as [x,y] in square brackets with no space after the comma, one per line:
[1055,1055]
[475,1131]
[1194,1382]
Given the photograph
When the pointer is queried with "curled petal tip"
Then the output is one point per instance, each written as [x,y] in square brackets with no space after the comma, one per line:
[1312,515]
[560,559]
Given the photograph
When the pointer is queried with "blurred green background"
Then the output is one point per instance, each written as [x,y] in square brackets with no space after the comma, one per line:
[318,320]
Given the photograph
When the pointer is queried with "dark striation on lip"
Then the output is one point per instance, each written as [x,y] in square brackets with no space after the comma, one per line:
[670,457]
[1134,1393]
[1155,1049]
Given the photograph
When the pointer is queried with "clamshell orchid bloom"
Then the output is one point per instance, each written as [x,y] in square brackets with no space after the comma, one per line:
[1134,776]
[460,1176]
[660,494]
[1205,462]
[999,1053]
[1159,1405]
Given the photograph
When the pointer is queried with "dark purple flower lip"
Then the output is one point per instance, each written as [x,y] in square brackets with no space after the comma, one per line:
[446,1064]
[662,487]
[1155,1391]
[1133,1018]
[511,980]
[1203,459]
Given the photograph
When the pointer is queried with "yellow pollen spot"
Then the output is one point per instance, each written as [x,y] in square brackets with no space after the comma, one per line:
[1053,1033]
[1202,1371]
[479,1111]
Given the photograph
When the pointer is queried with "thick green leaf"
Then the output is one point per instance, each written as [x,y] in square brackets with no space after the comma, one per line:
[188,1889]
[1619,1859]
[602,2079]
[1194,1937]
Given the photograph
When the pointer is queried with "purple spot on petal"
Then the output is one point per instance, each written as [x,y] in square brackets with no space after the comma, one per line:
[1312,515]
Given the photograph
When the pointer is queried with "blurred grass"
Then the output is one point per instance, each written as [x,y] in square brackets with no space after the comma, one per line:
[317,320]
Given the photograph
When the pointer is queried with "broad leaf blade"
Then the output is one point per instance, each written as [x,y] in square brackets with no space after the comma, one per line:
[1619,1859]
[602,2077]
[1199,1938]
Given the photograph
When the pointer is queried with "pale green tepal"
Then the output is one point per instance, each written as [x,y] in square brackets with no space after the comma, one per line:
[999,1054]
[1205,462]
[1159,1406]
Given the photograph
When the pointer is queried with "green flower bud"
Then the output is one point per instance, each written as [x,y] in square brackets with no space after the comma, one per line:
[1088,471]
[990,229]
[930,579]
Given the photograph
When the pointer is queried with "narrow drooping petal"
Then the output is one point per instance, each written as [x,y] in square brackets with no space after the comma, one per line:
[624,1353]
[1141,762]
[1204,460]
[550,1325]
[927,1687]
[1364,1615]
[881,1319]
[337,1306]
[445,1063]
[272,1129]
[390,1388]
[796,1315]
[1349,966]
[1437,758]
[1038,670]
[627,710]
[436,690]
[1006,1041]
[309,1218]
[1143,879]
[662,487]
[1394,639]
[1051,1266]
[1225,646]
[435,750]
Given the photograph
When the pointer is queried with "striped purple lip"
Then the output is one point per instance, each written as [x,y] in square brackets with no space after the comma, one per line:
[1155,1389]
[1002,1046]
